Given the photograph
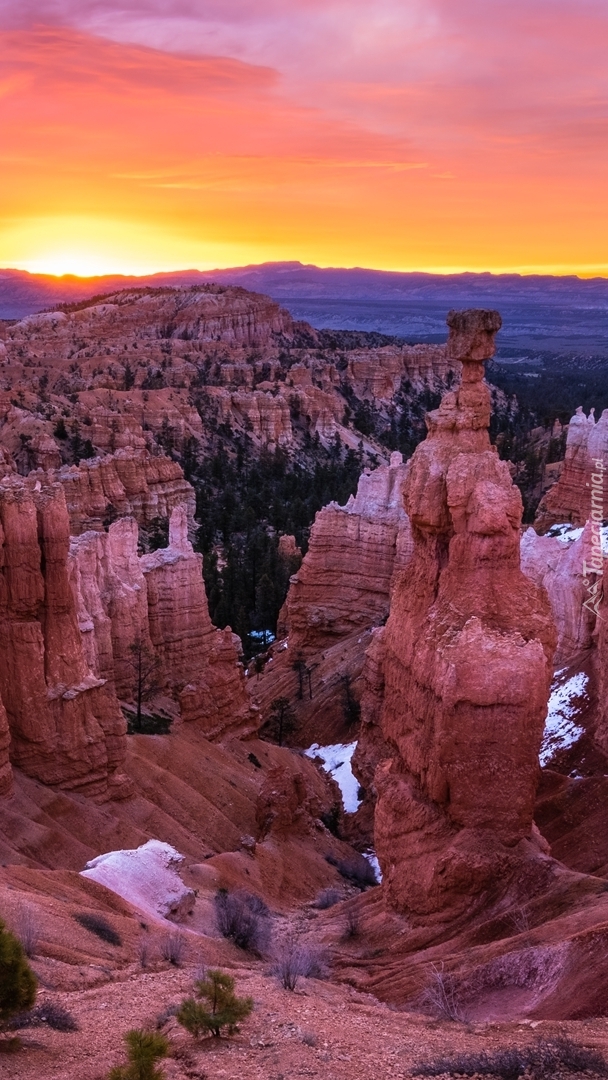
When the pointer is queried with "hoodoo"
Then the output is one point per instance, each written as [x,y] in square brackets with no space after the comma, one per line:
[466,662]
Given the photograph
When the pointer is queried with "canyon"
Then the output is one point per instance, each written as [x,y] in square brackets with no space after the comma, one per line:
[418,636]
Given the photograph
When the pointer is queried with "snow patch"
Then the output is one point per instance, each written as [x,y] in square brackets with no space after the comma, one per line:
[337,761]
[565,532]
[565,704]
[372,859]
[146,876]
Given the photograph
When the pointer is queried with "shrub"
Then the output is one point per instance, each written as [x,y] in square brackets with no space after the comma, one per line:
[172,947]
[355,869]
[98,925]
[243,918]
[144,1049]
[51,1013]
[546,1059]
[17,980]
[352,924]
[144,950]
[27,931]
[327,898]
[293,960]
[222,1009]
[441,995]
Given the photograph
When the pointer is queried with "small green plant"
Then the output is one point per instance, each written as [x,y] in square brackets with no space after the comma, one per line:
[144,1049]
[217,1006]
[17,980]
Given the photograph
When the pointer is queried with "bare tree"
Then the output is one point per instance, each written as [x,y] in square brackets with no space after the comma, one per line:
[146,668]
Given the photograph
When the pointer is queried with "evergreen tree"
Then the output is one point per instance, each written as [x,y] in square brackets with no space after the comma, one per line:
[281,720]
[17,980]
[144,1049]
[222,1009]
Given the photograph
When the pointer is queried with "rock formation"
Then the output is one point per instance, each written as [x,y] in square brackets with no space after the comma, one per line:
[466,663]
[127,483]
[6,772]
[201,662]
[569,500]
[157,603]
[65,724]
[558,565]
[354,550]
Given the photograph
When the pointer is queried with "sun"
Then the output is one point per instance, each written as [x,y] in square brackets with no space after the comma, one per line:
[88,246]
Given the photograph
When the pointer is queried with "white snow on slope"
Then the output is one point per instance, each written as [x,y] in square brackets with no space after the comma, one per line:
[561,727]
[568,534]
[146,876]
[372,859]
[337,762]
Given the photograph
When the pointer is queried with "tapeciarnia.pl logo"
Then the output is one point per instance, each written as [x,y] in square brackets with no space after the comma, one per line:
[595,567]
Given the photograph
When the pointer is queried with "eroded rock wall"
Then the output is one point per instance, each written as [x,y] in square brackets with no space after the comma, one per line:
[570,498]
[354,551]
[65,724]
[127,483]
[156,605]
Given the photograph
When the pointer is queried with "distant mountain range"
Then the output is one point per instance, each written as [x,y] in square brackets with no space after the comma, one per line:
[566,315]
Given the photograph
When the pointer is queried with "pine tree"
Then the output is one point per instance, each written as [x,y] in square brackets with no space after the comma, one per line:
[17,980]
[281,720]
[223,1008]
[144,1049]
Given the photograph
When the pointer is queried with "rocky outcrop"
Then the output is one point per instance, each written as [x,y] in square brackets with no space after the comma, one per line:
[569,500]
[65,724]
[344,581]
[111,598]
[377,375]
[6,772]
[156,606]
[558,565]
[128,483]
[201,662]
[466,664]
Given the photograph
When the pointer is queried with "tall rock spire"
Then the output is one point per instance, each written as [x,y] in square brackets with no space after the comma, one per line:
[467,654]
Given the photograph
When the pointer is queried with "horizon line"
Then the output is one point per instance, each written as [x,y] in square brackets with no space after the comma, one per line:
[580,273]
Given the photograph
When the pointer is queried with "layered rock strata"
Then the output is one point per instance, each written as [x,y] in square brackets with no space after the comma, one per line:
[156,605]
[466,664]
[6,772]
[570,498]
[65,725]
[354,551]
[560,567]
[128,483]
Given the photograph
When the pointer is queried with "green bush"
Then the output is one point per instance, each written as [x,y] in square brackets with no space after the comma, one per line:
[17,980]
[222,1007]
[144,1049]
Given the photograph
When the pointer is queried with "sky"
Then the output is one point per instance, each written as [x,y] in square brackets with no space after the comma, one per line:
[438,135]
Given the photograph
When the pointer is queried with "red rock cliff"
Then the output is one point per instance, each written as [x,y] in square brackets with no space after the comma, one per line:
[65,724]
[466,663]
[344,581]
[569,500]
[158,601]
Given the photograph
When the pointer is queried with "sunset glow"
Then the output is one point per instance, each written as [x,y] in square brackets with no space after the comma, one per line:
[409,134]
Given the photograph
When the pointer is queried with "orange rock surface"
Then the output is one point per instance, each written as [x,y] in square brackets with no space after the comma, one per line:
[66,727]
[569,500]
[466,663]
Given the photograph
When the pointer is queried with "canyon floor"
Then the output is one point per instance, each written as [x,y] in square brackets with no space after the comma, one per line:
[322,1029]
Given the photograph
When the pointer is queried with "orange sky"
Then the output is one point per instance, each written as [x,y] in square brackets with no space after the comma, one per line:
[140,135]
